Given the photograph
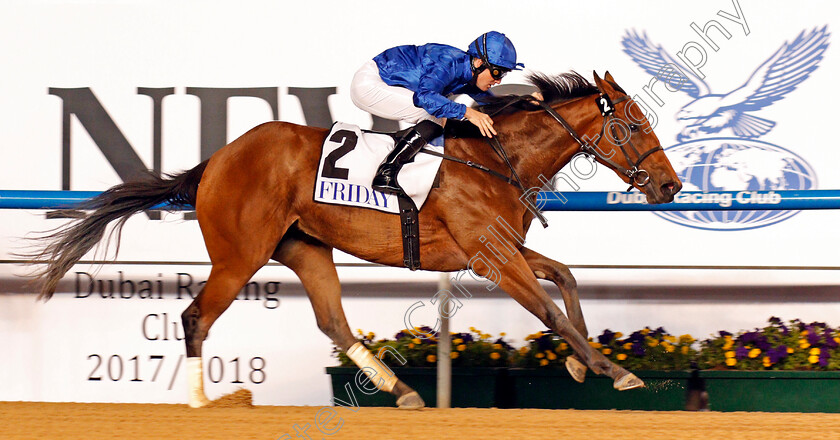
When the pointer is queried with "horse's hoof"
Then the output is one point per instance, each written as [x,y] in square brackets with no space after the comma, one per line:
[411,400]
[628,382]
[576,368]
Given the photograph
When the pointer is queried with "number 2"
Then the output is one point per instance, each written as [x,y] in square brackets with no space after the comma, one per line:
[349,140]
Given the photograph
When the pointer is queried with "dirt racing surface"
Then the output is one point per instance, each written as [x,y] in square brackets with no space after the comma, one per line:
[91,421]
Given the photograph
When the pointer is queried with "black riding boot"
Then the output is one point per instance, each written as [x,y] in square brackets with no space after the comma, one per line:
[405,149]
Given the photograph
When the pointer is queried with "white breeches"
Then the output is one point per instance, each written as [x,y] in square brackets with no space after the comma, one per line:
[372,95]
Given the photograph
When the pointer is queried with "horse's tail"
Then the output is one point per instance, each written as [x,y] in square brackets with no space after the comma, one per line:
[65,246]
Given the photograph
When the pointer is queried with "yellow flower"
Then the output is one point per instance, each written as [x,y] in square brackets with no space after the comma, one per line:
[539,355]
[461,347]
[729,354]
[627,346]
[837,339]
[644,331]
[550,356]
[731,362]
[766,361]
[618,335]
[563,346]
[497,346]
[453,354]
[472,329]
[411,345]
[359,331]
[606,351]
[371,335]
[803,343]
[621,356]
[668,348]
[813,359]
[652,342]
[524,350]
[431,358]
[814,351]
[754,353]
[502,334]
[543,362]
[790,350]
[728,344]
[804,332]
[458,341]
[495,355]
[686,339]
[416,341]
[684,349]
[594,344]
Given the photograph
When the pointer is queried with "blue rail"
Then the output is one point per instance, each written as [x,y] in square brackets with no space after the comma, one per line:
[547,201]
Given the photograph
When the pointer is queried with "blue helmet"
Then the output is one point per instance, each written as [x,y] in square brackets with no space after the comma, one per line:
[496,49]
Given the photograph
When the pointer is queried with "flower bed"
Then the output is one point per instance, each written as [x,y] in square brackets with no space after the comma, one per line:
[781,367]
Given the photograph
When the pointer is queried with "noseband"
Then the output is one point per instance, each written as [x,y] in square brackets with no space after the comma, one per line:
[635,174]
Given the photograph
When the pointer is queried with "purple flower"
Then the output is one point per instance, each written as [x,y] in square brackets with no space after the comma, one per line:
[785,330]
[749,337]
[813,336]
[637,336]
[544,342]
[638,348]
[761,342]
[829,340]
[777,353]
[741,352]
[775,320]
[724,333]
[824,355]
[606,337]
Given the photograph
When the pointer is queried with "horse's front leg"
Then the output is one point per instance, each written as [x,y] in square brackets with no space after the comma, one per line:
[558,273]
[517,279]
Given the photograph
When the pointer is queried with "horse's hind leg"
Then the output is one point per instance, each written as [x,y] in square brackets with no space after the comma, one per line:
[312,261]
[558,273]
[236,257]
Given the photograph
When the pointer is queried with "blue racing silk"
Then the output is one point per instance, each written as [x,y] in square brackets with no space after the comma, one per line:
[431,71]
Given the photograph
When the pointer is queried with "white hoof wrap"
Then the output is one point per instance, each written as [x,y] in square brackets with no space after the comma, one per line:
[381,376]
[195,379]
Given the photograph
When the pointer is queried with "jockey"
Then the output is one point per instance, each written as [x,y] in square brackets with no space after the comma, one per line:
[410,83]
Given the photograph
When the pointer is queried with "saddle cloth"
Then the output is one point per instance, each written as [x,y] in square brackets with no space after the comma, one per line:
[349,159]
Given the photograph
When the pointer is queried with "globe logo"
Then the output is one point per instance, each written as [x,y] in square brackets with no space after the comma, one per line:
[719,148]
[732,164]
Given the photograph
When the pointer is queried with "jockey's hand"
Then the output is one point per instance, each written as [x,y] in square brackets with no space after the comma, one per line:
[481,120]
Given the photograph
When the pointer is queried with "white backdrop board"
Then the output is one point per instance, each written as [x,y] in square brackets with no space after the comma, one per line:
[83,83]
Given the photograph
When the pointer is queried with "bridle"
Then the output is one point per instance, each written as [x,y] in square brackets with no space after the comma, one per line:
[635,173]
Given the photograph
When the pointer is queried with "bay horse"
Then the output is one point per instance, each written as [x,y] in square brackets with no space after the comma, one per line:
[253,200]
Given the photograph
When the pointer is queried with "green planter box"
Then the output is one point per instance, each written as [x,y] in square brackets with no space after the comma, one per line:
[773,391]
[555,389]
[471,387]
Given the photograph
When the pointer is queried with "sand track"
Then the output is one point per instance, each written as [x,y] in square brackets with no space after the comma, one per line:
[91,421]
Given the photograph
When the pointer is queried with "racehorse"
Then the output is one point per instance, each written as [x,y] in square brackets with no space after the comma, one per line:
[253,200]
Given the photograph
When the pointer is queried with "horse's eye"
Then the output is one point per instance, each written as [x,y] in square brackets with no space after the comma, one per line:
[634,128]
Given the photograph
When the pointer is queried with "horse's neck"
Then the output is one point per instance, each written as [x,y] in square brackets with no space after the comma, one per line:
[541,146]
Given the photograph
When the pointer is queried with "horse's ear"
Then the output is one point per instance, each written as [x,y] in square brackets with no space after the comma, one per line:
[609,77]
[598,81]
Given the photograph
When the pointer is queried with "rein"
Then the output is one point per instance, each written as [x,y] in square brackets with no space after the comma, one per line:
[635,174]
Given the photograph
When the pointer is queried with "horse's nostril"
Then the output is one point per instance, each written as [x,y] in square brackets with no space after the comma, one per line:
[669,188]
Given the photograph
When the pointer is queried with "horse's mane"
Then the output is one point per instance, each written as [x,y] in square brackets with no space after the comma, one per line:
[554,89]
